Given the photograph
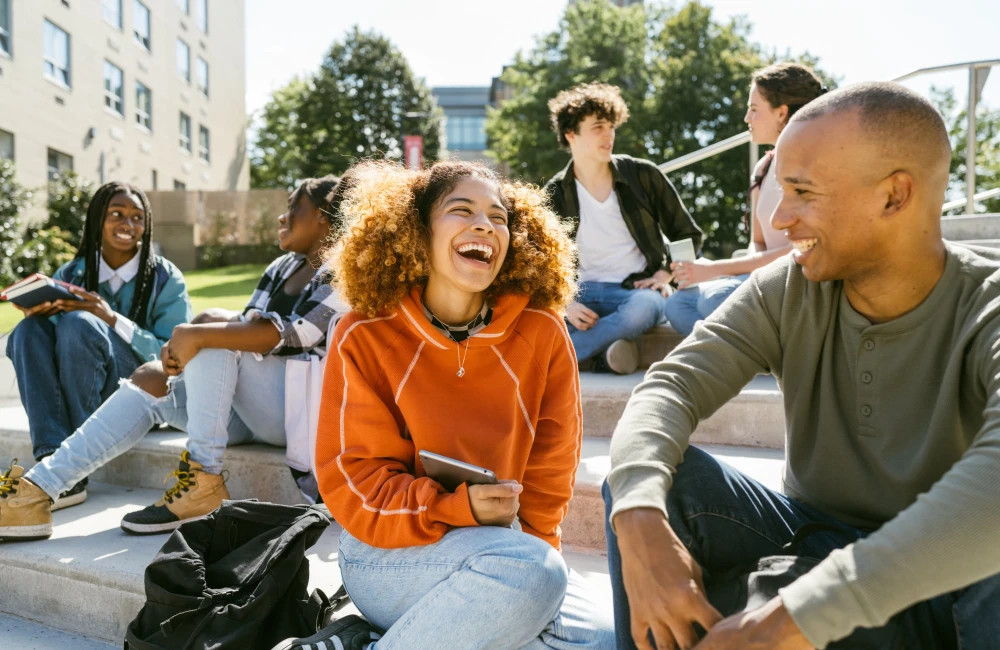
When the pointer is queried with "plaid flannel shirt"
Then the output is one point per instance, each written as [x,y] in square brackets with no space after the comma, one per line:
[303,332]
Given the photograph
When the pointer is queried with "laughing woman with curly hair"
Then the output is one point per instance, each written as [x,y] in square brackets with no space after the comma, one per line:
[456,345]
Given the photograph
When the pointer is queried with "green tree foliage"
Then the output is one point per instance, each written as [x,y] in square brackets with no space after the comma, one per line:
[685,76]
[356,106]
[14,198]
[67,202]
[987,148]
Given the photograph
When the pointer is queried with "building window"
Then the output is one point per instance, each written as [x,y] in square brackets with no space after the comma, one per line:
[141,25]
[114,88]
[56,65]
[6,145]
[466,133]
[5,27]
[179,186]
[201,75]
[184,5]
[183,60]
[203,147]
[112,12]
[143,106]
[59,163]
[185,132]
[201,14]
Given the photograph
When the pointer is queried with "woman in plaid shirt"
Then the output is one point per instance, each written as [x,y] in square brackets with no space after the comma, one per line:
[233,383]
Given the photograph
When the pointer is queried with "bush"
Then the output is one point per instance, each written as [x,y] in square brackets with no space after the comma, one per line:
[41,251]
[67,203]
[14,198]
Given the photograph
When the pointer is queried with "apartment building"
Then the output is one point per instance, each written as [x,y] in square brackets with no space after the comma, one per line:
[464,121]
[149,91]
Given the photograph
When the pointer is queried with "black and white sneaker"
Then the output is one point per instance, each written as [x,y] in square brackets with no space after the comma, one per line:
[348,633]
[71,497]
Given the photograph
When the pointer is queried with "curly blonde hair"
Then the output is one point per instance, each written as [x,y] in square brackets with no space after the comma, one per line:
[383,249]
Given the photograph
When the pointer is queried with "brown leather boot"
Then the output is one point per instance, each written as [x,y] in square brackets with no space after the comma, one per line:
[25,509]
[195,494]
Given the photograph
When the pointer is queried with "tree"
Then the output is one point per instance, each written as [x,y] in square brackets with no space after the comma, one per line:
[987,148]
[356,106]
[67,202]
[685,77]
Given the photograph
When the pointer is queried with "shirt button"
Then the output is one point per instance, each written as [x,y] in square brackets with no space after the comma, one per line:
[869,345]
[866,377]
[866,410]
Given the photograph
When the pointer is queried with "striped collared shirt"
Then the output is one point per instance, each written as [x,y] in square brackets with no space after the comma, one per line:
[303,332]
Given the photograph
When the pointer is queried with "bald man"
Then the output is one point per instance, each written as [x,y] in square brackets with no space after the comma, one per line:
[885,341]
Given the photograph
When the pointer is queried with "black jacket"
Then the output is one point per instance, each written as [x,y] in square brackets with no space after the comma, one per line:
[650,206]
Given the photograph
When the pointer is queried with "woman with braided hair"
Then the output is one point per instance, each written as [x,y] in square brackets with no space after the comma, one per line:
[68,355]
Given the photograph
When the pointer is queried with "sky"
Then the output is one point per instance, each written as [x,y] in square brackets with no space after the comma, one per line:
[467,42]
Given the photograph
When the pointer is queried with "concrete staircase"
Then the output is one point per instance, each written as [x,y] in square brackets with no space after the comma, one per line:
[87,579]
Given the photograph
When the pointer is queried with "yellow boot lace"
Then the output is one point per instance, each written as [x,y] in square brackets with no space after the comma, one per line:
[185,479]
[7,484]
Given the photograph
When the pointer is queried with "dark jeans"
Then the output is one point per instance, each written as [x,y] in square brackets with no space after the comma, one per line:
[727,520]
[65,370]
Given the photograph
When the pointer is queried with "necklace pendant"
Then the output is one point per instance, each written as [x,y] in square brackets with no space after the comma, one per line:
[460,373]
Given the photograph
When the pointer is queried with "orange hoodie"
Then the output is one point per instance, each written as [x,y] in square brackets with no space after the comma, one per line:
[391,389]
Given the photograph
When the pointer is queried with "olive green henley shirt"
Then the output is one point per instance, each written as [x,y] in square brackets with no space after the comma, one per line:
[894,426]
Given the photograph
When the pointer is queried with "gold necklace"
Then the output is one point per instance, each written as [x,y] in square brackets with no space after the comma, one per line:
[461,357]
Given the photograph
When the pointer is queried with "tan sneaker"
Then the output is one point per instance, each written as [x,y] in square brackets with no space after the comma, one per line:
[622,357]
[195,494]
[25,509]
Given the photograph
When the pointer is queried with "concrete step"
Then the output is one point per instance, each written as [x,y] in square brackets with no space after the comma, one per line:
[754,418]
[91,572]
[23,634]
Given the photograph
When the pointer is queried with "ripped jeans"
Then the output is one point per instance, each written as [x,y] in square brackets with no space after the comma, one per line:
[222,398]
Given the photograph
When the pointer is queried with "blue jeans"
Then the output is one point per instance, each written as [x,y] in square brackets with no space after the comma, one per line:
[686,307]
[65,369]
[728,520]
[223,397]
[480,587]
[624,314]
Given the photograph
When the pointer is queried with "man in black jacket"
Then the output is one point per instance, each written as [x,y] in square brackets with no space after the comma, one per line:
[622,211]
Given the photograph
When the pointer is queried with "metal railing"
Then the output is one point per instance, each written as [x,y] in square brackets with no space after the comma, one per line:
[978,72]
[982,196]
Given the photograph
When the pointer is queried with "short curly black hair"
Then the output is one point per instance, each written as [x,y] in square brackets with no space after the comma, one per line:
[572,106]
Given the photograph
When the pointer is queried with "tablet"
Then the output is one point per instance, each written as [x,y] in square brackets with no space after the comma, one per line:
[451,473]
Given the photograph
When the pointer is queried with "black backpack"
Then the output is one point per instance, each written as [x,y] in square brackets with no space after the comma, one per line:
[236,578]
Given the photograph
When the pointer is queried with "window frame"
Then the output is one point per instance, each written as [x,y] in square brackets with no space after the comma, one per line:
[198,63]
[120,24]
[186,73]
[6,28]
[139,113]
[204,147]
[183,119]
[59,157]
[146,42]
[46,61]
[13,144]
[110,96]
[201,15]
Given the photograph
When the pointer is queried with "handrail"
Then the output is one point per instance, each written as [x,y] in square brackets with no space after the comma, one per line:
[982,196]
[976,82]
[706,152]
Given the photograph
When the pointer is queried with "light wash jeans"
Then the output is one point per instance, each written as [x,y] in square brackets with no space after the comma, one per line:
[222,398]
[726,520]
[479,587]
[624,314]
[64,370]
[686,307]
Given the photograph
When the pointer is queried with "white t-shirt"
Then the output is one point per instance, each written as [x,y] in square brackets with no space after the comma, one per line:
[768,197]
[607,251]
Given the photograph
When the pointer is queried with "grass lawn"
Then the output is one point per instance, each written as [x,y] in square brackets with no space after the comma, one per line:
[228,287]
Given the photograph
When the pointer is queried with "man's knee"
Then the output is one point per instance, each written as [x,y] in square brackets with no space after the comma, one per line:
[643,308]
[150,378]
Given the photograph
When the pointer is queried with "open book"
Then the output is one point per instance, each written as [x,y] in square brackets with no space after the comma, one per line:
[36,289]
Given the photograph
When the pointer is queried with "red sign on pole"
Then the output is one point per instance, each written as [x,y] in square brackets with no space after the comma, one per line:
[413,151]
